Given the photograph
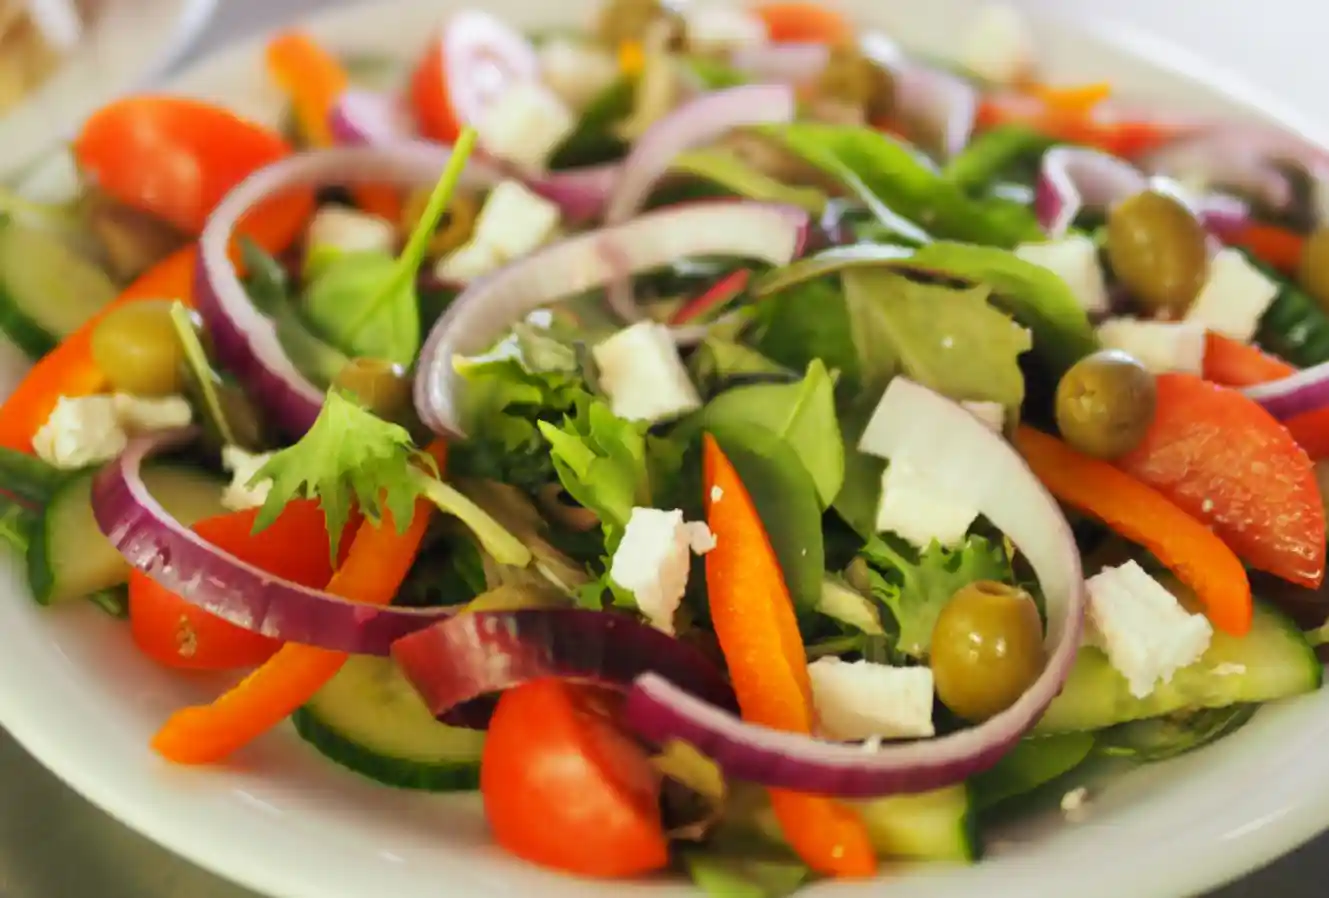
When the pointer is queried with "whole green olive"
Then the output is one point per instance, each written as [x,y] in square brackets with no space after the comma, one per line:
[1313,272]
[851,77]
[987,649]
[381,387]
[1157,248]
[1105,404]
[136,346]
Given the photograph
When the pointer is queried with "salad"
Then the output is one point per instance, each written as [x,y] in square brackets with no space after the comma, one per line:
[727,442]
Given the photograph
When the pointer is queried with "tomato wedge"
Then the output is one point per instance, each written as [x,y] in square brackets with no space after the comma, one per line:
[173,157]
[175,633]
[564,787]
[1226,461]
[465,70]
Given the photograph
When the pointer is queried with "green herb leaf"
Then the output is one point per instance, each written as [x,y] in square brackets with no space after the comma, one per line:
[952,341]
[453,573]
[860,495]
[1033,762]
[723,876]
[992,154]
[725,169]
[810,321]
[196,359]
[349,456]
[802,414]
[916,586]
[594,140]
[265,278]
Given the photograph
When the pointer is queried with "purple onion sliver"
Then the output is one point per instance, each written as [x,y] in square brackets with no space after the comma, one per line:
[369,118]
[1296,394]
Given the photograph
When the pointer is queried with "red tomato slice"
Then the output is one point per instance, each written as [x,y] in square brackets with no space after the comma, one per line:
[477,58]
[175,633]
[1228,462]
[564,787]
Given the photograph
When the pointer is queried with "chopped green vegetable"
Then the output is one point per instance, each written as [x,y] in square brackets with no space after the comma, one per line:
[810,321]
[725,169]
[723,876]
[1160,738]
[718,363]
[801,414]
[992,154]
[1294,327]
[450,573]
[915,586]
[861,493]
[265,279]
[197,360]
[595,139]
[1033,762]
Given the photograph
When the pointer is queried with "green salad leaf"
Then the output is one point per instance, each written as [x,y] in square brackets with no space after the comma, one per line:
[736,876]
[992,154]
[265,279]
[717,363]
[725,169]
[809,321]
[952,341]
[1033,762]
[365,303]
[915,586]
[860,495]
[595,139]
[801,414]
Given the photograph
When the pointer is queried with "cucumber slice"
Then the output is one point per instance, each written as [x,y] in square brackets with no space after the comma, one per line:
[1160,738]
[69,558]
[1033,763]
[1272,661]
[47,290]
[370,719]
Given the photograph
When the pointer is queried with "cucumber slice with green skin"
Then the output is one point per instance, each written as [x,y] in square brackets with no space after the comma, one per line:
[69,558]
[1032,763]
[370,719]
[47,290]
[27,478]
[1273,661]
[1160,738]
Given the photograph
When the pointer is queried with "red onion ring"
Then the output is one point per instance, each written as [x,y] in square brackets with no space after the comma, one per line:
[245,341]
[1305,391]
[964,458]
[367,118]
[767,231]
[180,560]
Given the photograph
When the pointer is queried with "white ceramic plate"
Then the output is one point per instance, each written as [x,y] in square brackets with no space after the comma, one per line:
[126,43]
[285,822]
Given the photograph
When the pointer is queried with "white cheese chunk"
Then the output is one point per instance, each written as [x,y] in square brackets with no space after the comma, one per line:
[138,414]
[525,125]
[239,495]
[1160,346]
[863,699]
[515,221]
[911,506]
[1074,259]
[1145,632]
[998,45]
[722,28]
[654,558]
[645,377]
[81,431]
[337,230]
[990,413]
[1234,297]
[578,72]
[467,263]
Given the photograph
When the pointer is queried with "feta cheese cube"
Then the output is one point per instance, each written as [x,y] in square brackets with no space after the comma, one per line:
[1233,297]
[525,125]
[1145,632]
[642,372]
[139,414]
[578,72]
[653,560]
[337,230]
[239,495]
[1160,346]
[912,507]
[1075,804]
[1074,259]
[863,699]
[722,28]
[81,431]
[998,46]
[467,263]
[990,413]
[514,221]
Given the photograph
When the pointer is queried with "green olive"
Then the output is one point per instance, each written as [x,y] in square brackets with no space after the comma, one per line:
[137,348]
[1313,273]
[987,649]
[1105,404]
[853,78]
[383,388]
[1158,250]
[453,231]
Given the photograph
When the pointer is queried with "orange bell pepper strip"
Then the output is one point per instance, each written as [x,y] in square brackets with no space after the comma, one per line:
[1232,363]
[755,624]
[796,21]
[70,370]
[1277,246]
[376,564]
[1061,120]
[314,79]
[1142,515]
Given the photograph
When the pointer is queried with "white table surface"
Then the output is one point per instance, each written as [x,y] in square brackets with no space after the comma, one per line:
[53,844]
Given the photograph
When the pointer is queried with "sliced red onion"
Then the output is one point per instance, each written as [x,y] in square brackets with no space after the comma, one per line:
[580,192]
[179,559]
[477,654]
[244,340]
[1073,178]
[767,231]
[699,122]
[1296,394]
[783,63]
[962,457]
[939,104]
[369,118]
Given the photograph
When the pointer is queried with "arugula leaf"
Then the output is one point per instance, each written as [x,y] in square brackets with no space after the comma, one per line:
[902,179]
[265,279]
[810,321]
[992,154]
[718,363]
[366,302]
[916,586]
[1034,295]
[952,341]
[594,140]
[725,169]
[857,501]
[714,74]
[802,414]
[785,496]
